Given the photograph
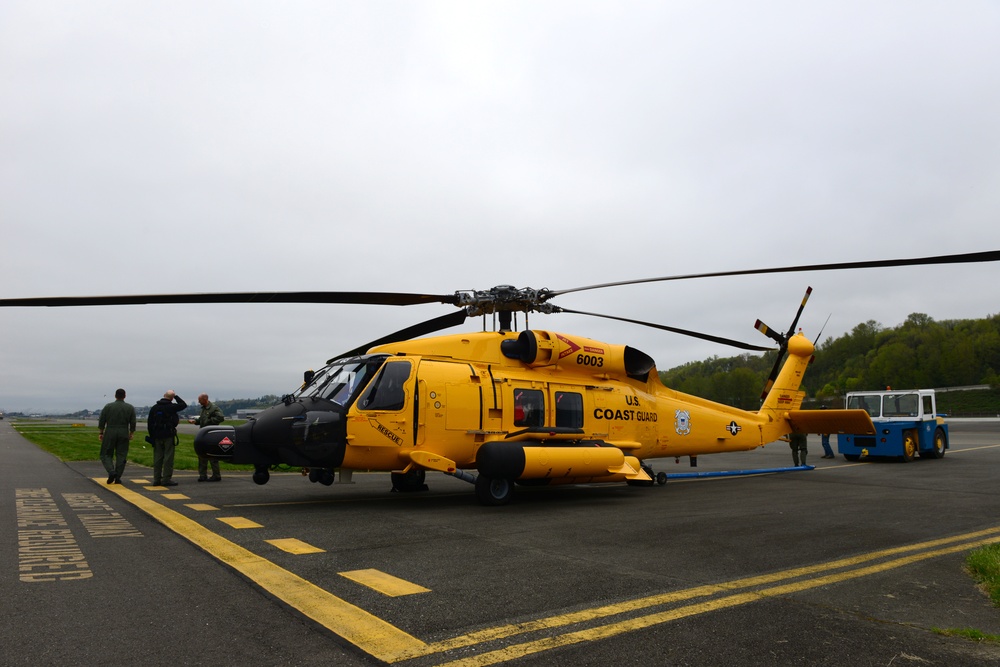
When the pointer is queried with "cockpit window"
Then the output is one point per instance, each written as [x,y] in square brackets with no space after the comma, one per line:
[386,391]
[338,382]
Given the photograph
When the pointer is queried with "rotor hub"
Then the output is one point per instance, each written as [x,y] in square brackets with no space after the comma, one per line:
[504,298]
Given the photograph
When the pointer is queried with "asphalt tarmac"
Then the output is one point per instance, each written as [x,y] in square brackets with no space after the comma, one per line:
[846,564]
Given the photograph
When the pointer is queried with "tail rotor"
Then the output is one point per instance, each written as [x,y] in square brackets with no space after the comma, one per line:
[782,341]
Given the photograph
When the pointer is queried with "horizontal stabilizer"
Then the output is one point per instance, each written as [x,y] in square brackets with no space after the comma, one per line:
[632,470]
[831,421]
[433,461]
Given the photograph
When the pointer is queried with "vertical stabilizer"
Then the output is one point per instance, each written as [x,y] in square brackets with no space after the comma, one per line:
[785,394]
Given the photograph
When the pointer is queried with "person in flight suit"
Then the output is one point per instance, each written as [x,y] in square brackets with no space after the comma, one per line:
[798,442]
[115,427]
[211,414]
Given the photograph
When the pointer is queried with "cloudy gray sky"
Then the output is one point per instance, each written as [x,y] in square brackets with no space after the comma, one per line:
[435,146]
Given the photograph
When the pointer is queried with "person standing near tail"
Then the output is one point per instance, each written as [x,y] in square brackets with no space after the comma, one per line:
[115,428]
[211,414]
[799,444]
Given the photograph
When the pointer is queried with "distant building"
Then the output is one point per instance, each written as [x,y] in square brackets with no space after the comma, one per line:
[247,413]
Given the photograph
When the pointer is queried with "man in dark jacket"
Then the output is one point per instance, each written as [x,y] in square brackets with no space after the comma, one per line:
[162,427]
[211,414]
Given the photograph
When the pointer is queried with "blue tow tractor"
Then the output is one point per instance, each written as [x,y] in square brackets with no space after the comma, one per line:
[906,425]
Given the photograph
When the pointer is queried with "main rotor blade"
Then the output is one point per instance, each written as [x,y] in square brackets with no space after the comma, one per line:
[367,298]
[422,329]
[683,332]
[965,258]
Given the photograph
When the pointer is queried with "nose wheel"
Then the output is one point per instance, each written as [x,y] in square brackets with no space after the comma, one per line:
[261,475]
[322,475]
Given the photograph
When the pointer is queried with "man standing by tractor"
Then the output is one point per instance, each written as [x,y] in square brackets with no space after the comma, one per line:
[211,414]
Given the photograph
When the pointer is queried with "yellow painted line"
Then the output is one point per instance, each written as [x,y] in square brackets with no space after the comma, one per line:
[506,631]
[971,449]
[631,625]
[202,507]
[371,634]
[154,488]
[386,584]
[294,546]
[385,642]
[175,496]
[239,522]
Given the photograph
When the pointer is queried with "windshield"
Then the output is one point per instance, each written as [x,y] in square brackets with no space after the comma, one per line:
[900,405]
[338,382]
[870,404]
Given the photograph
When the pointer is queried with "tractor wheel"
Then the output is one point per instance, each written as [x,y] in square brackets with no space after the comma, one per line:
[940,444]
[909,446]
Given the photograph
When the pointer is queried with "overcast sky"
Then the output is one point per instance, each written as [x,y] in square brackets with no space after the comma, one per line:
[155,147]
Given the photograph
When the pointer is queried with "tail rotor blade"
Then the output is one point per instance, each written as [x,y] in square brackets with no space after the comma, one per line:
[769,332]
[795,322]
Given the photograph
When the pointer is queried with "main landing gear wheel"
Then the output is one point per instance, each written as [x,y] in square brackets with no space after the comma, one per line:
[409,482]
[494,492]
[661,478]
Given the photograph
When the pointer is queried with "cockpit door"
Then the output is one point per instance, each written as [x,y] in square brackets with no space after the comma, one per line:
[384,414]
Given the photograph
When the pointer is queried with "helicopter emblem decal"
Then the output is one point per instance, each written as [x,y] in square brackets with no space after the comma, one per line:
[226,444]
[734,428]
[573,347]
[682,421]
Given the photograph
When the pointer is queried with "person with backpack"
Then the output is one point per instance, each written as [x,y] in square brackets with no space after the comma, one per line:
[211,414]
[162,427]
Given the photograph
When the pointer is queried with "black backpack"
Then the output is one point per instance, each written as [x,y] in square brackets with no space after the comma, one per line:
[162,421]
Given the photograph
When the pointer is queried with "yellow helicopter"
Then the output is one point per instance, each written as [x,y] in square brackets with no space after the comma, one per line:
[501,408]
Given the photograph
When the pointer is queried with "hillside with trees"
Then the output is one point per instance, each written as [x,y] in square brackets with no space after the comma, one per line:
[919,353]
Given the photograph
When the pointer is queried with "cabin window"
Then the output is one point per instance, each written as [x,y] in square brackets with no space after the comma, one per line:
[569,409]
[529,407]
[386,391]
